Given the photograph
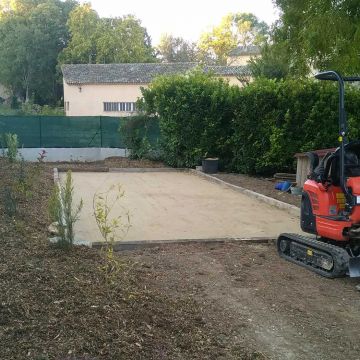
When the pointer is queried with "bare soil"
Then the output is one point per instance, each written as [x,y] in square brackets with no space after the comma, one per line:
[104,165]
[60,304]
[256,300]
[260,185]
[229,301]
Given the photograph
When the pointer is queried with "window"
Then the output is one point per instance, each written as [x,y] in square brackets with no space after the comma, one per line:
[119,106]
[67,105]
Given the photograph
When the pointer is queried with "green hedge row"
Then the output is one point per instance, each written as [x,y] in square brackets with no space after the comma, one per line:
[254,130]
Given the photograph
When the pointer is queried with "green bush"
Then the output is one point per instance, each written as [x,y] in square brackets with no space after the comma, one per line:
[11,143]
[141,136]
[275,120]
[254,130]
[195,113]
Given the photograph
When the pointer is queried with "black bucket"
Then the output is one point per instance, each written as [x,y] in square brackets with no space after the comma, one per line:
[210,165]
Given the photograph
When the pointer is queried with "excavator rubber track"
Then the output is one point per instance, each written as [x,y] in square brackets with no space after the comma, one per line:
[323,258]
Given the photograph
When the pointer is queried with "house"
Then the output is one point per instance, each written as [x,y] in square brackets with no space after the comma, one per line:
[113,89]
[241,55]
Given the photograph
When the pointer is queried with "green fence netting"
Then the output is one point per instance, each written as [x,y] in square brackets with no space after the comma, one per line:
[62,131]
[67,131]
[27,129]
[110,132]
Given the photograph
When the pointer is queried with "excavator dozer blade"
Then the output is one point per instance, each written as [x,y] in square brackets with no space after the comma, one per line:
[354,267]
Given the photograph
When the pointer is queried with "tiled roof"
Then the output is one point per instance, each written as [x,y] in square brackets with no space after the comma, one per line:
[137,73]
[245,50]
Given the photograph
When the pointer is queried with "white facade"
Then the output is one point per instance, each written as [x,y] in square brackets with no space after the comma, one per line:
[106,99]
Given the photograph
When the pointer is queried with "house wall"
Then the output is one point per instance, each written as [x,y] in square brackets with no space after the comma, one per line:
[239,60]
[88,100]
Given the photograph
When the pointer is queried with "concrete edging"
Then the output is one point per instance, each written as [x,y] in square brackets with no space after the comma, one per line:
[145,244]
[291,209]
[143,170]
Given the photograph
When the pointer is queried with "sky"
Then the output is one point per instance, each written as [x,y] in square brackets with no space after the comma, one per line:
[184,18]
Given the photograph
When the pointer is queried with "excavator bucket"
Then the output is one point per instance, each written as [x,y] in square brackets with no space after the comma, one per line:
[354,267]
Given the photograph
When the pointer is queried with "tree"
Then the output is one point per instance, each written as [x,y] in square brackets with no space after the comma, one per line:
[320,34]
[234,30]
[106,40]
[32,33]
[176,49]
[83,25]
[273,63]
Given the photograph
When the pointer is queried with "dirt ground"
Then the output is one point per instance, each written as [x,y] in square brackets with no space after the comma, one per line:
[111,162]
[232,301]
[260,185]
[259,301]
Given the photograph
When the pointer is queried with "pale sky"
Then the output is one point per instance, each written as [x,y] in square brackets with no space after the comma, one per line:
[185,18]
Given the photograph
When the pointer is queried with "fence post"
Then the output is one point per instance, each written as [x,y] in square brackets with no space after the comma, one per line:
[101,132]
[40,131]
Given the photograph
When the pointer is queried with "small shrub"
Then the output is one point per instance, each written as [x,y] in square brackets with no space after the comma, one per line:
[111,228]
[140,134]
[25,179]
[11,143]
[42,156]
[64,212]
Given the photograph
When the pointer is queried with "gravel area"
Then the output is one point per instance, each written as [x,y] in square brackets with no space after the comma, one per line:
[260,185]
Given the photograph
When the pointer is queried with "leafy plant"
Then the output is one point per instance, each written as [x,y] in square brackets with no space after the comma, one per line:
[42,156]
[139,134]
[11,143]
[63,211]
[24,181]
[111,228]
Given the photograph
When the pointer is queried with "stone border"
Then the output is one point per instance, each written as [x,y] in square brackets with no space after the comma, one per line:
[85,169]
[291,209]
[144,170]
[145,244]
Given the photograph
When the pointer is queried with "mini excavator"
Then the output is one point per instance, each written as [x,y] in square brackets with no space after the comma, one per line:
[330,205]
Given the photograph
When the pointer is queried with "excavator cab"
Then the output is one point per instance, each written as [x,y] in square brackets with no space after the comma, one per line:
[328,170]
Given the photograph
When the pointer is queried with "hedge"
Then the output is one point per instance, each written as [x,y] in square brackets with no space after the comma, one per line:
[194,115]
[253,130]
[275,120]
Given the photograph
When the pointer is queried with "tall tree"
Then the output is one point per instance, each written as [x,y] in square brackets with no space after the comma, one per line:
[32,33]
[234,30]
[176,49]
[106,40]
[320,34]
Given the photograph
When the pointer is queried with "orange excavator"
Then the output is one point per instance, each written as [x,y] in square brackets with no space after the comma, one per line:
[330,205]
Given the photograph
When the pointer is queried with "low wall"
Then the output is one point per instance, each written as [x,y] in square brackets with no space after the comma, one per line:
[71,154]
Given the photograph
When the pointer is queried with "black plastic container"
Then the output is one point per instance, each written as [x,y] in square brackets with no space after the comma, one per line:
[210,165]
